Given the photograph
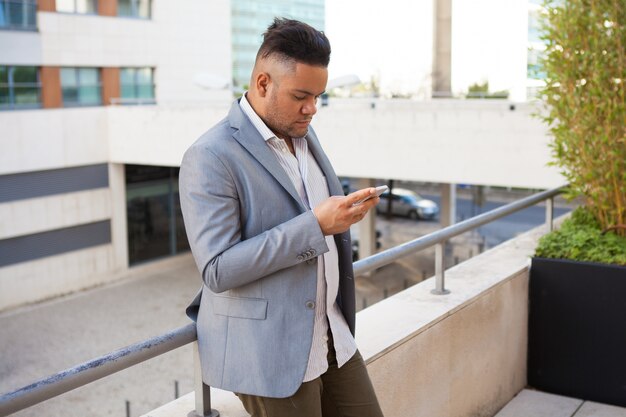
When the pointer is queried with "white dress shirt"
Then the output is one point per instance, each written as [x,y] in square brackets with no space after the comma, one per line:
[310,182]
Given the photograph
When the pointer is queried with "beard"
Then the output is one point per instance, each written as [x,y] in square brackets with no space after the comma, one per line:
[279,123]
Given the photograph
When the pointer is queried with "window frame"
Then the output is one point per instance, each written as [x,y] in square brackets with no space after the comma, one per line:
[27,6]
[136,85]
[11,85]
[79,85]
[134,10]
[75,8]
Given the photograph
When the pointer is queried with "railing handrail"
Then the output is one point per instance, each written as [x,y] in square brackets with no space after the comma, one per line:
[123,358]
[392,254]
[95,369]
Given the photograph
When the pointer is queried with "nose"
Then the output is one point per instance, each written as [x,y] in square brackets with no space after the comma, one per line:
[309,107]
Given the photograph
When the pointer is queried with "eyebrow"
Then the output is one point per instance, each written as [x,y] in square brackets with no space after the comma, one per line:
[309,93]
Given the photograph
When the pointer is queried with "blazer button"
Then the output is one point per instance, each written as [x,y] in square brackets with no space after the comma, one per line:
[300,258]
[312,252]
[310,305]
[311,261]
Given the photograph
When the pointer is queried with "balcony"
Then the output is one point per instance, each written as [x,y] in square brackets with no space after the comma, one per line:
[460,354]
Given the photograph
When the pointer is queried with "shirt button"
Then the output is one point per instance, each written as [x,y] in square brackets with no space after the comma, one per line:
[310,305]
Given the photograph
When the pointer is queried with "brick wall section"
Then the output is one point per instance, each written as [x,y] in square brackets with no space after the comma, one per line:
[107,8]
[51,94]
[46,6]
[110,84]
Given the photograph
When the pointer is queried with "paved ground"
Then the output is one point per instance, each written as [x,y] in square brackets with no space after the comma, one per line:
[529,403]
[43,339]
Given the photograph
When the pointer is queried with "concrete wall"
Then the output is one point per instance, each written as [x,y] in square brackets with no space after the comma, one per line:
[450,141]
[457,355]
[34,140]
[158,135]
[48,277]
[20,48]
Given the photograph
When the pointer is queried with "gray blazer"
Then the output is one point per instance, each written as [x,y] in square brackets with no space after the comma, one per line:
[256,246]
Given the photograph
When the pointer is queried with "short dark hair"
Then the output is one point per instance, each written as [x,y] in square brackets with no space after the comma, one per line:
[294,40]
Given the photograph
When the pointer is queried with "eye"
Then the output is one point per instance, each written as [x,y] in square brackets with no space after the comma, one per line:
[299,98]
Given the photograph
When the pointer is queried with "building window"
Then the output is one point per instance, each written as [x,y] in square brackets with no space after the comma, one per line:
[154,218]
[77,6]
[134,8]
[81,86]
[137,85]
[18,14]
[20,88]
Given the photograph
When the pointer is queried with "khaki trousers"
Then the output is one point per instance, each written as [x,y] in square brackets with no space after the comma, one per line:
[339,392]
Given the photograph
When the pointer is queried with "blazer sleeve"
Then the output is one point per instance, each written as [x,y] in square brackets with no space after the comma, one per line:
[211,212]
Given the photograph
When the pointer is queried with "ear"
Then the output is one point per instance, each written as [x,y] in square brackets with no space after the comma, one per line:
[262,83]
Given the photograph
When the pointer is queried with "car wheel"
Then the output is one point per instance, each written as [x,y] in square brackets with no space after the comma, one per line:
[413,215]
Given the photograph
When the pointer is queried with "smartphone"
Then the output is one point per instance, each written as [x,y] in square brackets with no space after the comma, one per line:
[379,191]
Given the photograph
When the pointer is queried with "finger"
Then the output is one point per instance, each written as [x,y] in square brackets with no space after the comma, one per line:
[359,195]
[371,202]
[365,206]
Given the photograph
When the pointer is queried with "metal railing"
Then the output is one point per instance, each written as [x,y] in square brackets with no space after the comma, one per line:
[118,360]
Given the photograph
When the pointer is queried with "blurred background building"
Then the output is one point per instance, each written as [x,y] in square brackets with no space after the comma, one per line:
[72,210]
[250,19]
[99,100]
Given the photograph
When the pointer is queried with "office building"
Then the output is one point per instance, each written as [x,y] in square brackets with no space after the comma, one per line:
[93,95]
[250,18]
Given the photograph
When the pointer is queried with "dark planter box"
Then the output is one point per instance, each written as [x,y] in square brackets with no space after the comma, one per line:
[577,330]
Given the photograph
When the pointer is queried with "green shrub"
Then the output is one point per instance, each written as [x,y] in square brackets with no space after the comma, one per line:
[580,238]
[585,67]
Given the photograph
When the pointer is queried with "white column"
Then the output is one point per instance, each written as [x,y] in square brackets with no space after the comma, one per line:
[367,226]
[447,215]
[119,232]
[442,48]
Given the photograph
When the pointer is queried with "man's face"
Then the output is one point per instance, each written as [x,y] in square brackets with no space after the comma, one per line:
[291,100]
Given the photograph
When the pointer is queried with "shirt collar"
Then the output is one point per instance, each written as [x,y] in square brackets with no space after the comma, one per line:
[258,123]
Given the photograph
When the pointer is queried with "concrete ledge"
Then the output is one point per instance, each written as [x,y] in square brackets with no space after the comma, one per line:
[540,404]
[462,354]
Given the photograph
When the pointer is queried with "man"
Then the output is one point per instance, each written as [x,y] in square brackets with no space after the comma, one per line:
[270,236]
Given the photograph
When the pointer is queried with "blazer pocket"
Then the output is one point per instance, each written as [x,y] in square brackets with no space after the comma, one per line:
[243,308]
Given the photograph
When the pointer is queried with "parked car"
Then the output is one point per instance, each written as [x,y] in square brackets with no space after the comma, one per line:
[408,203]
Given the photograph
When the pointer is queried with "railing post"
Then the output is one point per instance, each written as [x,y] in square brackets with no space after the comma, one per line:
[550,213]
[440,269]
[202,390]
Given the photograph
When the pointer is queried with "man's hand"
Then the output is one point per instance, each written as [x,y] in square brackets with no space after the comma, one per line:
[336,214]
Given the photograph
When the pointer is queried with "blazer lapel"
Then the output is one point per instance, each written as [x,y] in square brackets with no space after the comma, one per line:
[247,135]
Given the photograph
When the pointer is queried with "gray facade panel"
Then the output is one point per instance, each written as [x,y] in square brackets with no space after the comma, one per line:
[54,242]
[55,181]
